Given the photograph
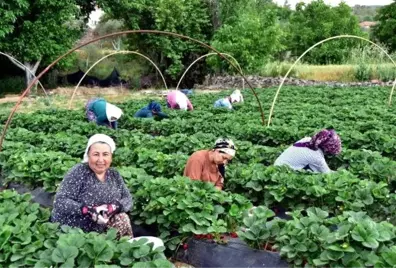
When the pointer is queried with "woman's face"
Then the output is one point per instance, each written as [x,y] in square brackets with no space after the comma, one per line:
[99,157]
[221,158]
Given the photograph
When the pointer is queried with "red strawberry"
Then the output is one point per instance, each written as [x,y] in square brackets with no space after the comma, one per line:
[234,235]
[185,246]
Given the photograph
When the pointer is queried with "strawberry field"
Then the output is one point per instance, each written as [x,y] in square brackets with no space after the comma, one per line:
[343,219]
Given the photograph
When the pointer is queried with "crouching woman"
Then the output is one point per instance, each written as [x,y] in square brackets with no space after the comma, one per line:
[93,196]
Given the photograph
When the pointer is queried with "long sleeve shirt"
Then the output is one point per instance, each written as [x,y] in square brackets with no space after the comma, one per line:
[145,112]
[299,158]
[96,111]
[178,100]
[199,167]
[223,102]
[81,187]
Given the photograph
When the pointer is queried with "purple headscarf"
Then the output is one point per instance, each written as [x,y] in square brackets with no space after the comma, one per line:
[327,140]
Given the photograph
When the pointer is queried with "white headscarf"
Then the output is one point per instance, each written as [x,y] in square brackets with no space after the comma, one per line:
[236,96]
[113,111]
[99,138]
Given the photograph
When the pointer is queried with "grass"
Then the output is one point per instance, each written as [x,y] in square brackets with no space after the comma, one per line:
[60,98]
[342,73]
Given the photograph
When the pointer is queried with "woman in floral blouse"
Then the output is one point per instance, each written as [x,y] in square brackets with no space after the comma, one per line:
[93,196]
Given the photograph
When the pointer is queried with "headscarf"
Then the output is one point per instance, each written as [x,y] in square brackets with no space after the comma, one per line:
[235,96]
[225,145]
[154,106]
[326,140]
[113,111]
[99,138]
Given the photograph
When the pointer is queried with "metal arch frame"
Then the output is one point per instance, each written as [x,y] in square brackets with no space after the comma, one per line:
[204,56]
[309,49]
[26,68]
[112,35]
[111,54]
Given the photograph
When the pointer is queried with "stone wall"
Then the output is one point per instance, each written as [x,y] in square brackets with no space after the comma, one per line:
[225,82]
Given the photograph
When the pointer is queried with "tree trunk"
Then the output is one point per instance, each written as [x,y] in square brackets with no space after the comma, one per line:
[29,68]
[215,9]
[30,72]
[116,44]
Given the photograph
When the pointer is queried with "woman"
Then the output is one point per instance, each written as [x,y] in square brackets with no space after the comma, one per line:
[236,96]
[223,102]
[308,153]
[93,196]
[102,112]
[153,109]
[209,165]
[178,100]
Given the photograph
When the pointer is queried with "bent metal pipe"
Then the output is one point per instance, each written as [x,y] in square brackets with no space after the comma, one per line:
[113,35]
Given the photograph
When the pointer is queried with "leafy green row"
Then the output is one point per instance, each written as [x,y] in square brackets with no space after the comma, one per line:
[29,240]
[351,239]
[332,192]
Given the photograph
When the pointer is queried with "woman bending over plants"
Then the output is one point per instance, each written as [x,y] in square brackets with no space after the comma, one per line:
[153,109]
[226,102]
[93,196]
[209,165]
[102,113]
[308,153]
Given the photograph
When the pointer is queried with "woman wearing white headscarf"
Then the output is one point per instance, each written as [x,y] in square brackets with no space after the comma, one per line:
[93,196]
[236,96]
[102,112]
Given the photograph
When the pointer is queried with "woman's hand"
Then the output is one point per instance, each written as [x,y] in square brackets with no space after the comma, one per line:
[98,214]
[112,209]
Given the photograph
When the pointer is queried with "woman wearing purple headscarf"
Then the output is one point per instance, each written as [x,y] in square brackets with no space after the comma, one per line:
[308,153]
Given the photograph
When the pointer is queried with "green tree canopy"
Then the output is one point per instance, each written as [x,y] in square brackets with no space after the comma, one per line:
[313,22]
[36,31]
[253,36]
[385,30]
[191,18]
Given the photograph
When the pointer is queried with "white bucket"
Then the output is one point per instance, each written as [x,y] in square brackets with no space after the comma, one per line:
[150,239]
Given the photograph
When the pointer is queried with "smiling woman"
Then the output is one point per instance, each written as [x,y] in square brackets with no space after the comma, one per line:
[93,196]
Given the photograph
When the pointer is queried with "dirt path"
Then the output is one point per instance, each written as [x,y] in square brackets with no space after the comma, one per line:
[9,99]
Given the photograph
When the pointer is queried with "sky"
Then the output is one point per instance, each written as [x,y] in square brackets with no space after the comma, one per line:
[336,2]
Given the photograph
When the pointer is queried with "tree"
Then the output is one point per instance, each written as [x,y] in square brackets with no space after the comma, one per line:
[191,18]
[253,36]
[37,31]
[316,21]
[107,26]
[385,30]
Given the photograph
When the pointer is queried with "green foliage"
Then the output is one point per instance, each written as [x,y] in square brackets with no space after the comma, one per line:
[386,73]
[28,239]
[9,13]
[186,206]
[350,240]
[252,37]
[151,155]
[257,230]
[190,18]
[316,21]
[12,85]
[385,30]
[45,30]
[363,72]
